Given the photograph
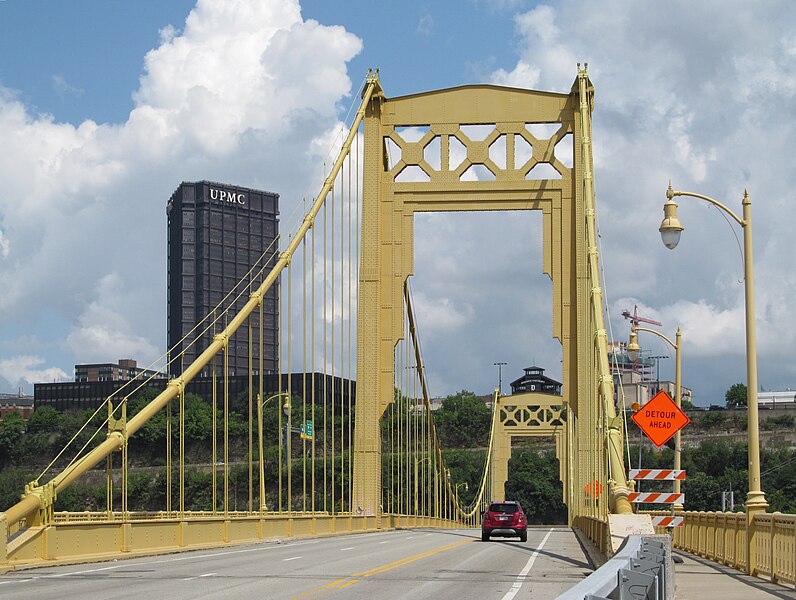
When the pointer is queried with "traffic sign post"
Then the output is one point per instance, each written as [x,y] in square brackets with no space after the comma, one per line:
[660,418]
[306,430]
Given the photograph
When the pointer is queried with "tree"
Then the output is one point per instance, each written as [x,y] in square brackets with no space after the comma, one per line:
[463,421]
[736,395]
[702,492]
[12,429]
[533,481]
[44,419]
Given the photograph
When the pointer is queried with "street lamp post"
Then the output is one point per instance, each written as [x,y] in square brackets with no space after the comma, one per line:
[418,462]
[260,404]
[500,366]
[633,351]
[456,497]
[670,234]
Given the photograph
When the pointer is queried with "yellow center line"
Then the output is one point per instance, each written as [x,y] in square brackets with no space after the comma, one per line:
[340,584]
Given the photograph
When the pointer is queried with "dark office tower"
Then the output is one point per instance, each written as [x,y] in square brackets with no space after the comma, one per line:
[216,234]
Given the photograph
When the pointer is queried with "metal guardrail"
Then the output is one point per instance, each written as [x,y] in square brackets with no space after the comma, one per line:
[640,570]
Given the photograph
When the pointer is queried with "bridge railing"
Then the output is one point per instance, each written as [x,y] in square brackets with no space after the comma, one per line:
[722,537]
[596,530]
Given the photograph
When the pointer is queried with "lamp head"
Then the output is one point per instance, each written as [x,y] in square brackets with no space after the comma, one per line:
[286,406]
[670,226]
[633,349]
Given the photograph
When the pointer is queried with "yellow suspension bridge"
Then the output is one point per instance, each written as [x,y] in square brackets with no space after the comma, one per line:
[369,457]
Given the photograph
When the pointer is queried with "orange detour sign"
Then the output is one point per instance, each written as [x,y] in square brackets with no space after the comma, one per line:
[594,489]
[660,418]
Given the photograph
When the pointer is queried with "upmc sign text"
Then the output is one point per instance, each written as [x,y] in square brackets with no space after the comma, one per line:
[225,196]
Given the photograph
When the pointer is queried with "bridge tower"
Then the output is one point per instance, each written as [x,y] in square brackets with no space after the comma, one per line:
[518,169]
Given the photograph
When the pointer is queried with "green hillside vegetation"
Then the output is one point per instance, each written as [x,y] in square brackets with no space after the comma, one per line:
[462,423]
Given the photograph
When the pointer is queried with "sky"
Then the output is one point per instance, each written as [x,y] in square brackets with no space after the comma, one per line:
[105,107]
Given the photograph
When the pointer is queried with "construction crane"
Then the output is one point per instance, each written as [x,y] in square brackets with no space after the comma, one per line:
[635,319]
[640,366]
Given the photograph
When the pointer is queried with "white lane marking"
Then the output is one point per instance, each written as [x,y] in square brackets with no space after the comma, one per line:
[409,537]
[292,558]
[57,575]
[198,576]
[167,560]
[245,550]
[344,549]
[384,542]
[184,558]
[524,573]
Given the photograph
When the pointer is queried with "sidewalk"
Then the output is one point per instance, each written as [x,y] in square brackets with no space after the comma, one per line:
[700,579]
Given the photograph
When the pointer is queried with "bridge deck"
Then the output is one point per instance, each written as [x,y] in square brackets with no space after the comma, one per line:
[700,579]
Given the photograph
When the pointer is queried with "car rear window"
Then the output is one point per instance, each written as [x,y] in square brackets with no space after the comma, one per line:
[503,508]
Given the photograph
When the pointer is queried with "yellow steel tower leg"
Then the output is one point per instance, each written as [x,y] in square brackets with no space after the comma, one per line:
[373,365]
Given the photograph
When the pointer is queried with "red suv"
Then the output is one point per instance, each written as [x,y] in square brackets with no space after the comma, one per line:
[504,519]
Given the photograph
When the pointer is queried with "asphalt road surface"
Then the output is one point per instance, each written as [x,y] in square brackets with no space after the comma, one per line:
[406,564]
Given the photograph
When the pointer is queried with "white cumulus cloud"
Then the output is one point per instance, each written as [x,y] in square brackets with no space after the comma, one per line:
[237,93]
[23,369]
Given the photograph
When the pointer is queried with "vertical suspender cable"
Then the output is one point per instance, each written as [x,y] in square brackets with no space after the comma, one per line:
[325,374]
[304,376]
[109,470]
[182,451]
[407,423]
[226,429]
[262,397]
[342,341]
[350,320]
[169,466]
[250,419]
[168,444]
[125,463]
[215,436]
[281,452]
[332,349]
[289,424]
[312,359]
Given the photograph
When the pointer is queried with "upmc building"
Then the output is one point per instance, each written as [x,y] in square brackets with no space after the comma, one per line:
[216,234]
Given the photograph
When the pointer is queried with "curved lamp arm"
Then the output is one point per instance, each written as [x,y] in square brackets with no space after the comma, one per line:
[670,193]
[658,333]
